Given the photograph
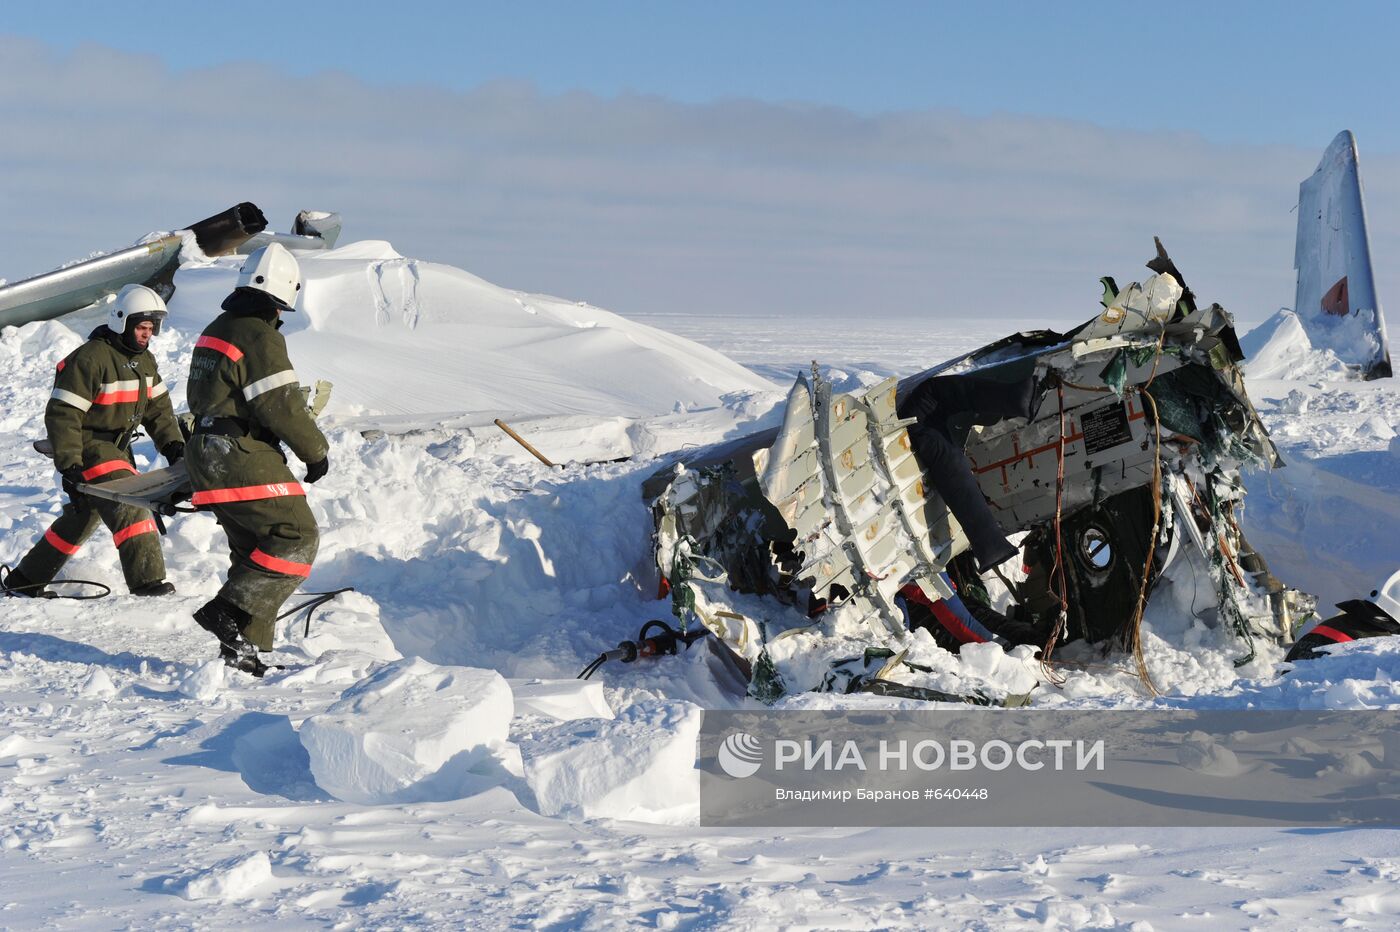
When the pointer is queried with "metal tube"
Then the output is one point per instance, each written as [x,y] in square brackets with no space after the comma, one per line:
[54,294]
[63,291]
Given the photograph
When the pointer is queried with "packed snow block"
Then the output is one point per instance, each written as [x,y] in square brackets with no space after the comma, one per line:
[565,700]
[395,735]
[639,766]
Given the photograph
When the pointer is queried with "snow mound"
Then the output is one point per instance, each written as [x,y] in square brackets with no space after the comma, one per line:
[407,730]
[97,684]
[403,338]
[204,682]
[233,879]
[1279,348]
[640,766]
[1361,674]
[1204,754]
[350,623]
[1376,428]
[1014,672]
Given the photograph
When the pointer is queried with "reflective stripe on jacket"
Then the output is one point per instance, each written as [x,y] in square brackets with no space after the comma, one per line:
[240,369]
[103,386]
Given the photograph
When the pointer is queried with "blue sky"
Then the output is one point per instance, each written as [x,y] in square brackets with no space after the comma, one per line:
[794,158]
[1233,72]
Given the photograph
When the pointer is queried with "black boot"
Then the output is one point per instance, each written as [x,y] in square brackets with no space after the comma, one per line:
[249,661]
[16,583]
[160,587]
[226,622]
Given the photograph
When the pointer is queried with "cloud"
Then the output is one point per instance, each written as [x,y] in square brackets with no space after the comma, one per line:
[642,204]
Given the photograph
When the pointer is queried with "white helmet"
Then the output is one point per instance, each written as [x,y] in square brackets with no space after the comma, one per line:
[1386,596]
[273,270]
[135,304]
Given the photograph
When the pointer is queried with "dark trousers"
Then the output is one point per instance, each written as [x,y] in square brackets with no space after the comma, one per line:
[133,529]
[272,541]
[946,407]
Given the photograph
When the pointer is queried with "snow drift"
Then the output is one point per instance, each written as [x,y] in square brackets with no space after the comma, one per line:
[1280,348]
[409,342]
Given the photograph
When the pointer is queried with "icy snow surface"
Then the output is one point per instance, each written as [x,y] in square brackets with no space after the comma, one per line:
[426,758]
[1327,522]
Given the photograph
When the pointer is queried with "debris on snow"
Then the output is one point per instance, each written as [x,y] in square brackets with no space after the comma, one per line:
[1113,448]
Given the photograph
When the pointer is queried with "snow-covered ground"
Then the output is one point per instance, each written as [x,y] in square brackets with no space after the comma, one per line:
[142,785]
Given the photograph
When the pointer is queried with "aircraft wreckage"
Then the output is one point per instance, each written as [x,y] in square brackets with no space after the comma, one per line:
[817,551]
[153,261]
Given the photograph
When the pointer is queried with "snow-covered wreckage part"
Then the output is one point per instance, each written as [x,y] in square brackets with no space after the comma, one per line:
[154,260]
[1336,301]
[821,556]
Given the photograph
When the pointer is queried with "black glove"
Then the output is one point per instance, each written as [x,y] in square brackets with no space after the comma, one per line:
[173,452]
[318,469]
[72,477]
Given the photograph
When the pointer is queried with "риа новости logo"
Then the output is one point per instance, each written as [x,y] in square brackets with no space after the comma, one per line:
[740,755]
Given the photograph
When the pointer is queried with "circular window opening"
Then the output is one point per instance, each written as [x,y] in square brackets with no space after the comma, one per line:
[1095,550]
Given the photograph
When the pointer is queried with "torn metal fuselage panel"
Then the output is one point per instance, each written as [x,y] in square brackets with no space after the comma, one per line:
[151,263]
[826,529]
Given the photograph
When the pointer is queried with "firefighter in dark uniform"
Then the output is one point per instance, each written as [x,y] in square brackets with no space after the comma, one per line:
[247,402]
[103,392]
